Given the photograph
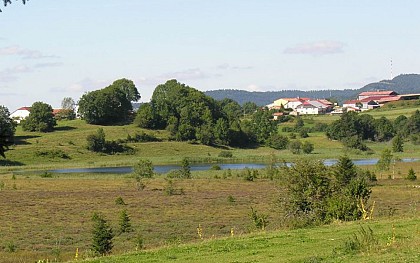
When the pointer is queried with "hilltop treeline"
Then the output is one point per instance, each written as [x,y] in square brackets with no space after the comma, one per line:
[402,84]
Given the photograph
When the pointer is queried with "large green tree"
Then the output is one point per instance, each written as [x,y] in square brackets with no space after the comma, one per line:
[7,130]
[40,118]
[111,105]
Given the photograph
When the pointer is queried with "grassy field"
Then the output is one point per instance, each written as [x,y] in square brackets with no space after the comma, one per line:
[49,218]
[397,241]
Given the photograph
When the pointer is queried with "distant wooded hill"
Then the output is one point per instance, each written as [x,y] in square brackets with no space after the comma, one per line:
[402,84]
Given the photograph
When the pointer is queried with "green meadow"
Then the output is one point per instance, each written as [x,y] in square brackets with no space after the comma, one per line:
[48,216]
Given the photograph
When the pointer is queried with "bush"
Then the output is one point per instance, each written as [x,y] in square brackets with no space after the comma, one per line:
[143,169]
[225,154]
[303,133]
[119,201]
[96,142]
[56,153]
[295,146]
[278,142]
[411,175]
[307,147]
[215,167]
[260,220]
[142,137]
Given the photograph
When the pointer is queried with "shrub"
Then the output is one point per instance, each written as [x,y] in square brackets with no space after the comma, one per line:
[364,240]
[260,220]
[55,153]
[215,167]
[46,175]
[119,201]
[96,142]
[303,133]
[225,154]
[411,175]
[143,169]
[185,168]
[307,147]
[295,146]
[278,142]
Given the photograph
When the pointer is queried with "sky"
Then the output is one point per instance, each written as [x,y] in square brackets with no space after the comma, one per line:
[53,49]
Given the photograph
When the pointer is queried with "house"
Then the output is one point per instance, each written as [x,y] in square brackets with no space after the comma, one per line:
[295,102]
[277,115]
[386,93]
[20,114]
[311,107]
[362,105]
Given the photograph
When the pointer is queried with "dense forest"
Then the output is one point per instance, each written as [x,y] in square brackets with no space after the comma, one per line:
[402,84]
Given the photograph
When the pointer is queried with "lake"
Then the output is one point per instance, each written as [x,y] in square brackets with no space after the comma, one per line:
[204,167]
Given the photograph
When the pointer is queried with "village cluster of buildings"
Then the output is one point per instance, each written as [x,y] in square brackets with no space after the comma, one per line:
[366,101]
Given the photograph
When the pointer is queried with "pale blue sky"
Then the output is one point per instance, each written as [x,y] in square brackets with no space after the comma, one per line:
[54,49]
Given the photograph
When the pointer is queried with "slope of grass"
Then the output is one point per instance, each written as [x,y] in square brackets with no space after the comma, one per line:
[397,239]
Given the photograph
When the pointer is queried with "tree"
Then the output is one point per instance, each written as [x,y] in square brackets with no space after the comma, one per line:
[307,188]
[384,129]
[7,130]
[143,169]
[385,160]
[128,88]
[125,224]
[40,118]
[185,168]
[249,107]
[145,117]
[110,105]
[344,171]
[398,143]
[102,235]
[10,1]
[67,103]
[295,146]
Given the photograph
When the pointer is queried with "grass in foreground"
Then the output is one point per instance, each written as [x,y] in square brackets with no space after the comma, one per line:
[392,241]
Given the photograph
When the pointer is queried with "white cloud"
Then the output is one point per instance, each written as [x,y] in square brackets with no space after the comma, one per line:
[316,48]
[22,52]
[10,74]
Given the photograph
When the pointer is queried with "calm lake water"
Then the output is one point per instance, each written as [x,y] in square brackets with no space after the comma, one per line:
[203,167]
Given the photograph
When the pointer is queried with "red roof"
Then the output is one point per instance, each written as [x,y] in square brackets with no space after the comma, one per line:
[326,102]
[378,93]
[25,108]
[351,101]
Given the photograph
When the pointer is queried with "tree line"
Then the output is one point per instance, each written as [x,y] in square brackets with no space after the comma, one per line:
[354,129]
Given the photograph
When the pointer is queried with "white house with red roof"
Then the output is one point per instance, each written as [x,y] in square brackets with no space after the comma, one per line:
[312,107]
[20,114]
